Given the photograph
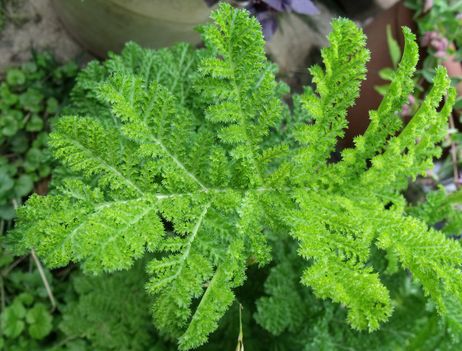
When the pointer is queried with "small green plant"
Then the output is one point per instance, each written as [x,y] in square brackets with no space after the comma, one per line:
[107,313]
[192,155]
[439,25]
[89,313]
[25,312]
[30,96]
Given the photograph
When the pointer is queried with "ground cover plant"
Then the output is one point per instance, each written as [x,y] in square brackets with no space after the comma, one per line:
[31,96]
[193,157]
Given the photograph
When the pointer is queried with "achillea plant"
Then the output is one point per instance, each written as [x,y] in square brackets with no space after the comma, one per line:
[192,155]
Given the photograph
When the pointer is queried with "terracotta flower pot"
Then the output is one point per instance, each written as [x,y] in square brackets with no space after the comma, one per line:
[106,25]
[454,69]
[376,31]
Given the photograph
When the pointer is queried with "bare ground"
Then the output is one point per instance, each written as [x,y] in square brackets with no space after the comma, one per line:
[33,25]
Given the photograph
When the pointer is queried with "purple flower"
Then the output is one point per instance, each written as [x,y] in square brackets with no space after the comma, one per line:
[304,7]
[440,54]
[437,42]
[428,37]
[266,10]
[268,23]
[406,110]
[411,99]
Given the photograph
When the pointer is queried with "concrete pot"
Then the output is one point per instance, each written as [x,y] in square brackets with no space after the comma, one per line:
[106,25]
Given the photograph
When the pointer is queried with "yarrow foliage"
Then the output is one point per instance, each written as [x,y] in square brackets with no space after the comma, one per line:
[184,153]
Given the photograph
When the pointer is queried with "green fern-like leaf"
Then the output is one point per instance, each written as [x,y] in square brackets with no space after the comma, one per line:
[175,152]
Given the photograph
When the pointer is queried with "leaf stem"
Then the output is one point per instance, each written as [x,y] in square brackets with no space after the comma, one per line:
[240,338]
[44,280]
